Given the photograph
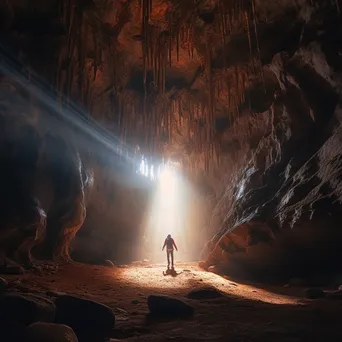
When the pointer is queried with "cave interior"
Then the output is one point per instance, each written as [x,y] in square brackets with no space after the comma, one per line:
[217,121]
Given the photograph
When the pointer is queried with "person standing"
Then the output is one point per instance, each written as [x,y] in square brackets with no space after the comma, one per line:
[169,244]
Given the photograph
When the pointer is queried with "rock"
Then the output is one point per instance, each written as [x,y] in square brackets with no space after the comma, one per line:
[203,264]
[51,293]
[109,263]
[43,332]
[26,309]
[314,293]
[214,269]
[335,295]
[168,306]
[11,269]
[208,292]
[3,284]
[121,311]
[22,288]
[90,320]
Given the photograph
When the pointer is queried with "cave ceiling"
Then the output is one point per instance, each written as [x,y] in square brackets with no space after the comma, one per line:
[169,76]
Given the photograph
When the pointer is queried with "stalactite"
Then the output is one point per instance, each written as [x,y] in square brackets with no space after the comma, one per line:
[257,43]
[222,21]
[177,46]
[145,8]
[164,62]
[170,50]
[236,76]
[95,64]
[211,95]
[169,125]
[249,39]
[243,83]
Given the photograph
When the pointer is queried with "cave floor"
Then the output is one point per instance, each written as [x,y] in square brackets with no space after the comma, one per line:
[246,313]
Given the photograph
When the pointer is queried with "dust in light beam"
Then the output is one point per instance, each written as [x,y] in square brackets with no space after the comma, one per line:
[167,211]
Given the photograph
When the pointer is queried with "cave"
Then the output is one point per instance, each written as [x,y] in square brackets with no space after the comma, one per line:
[217,122]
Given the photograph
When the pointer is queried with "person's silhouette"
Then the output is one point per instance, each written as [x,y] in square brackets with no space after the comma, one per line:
[169,244]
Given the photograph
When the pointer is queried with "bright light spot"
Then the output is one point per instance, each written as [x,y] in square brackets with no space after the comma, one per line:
[241,189]
[150,171]
[142,167]
[152,278]
[167,212]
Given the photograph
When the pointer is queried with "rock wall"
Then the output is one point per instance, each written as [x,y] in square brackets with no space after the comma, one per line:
[52,174]
[254,120]
[114,227]
[283,213]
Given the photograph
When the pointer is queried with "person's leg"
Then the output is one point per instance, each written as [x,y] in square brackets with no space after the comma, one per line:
[172,258]
[168,259]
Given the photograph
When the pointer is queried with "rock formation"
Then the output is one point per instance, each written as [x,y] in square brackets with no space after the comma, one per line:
[243,94]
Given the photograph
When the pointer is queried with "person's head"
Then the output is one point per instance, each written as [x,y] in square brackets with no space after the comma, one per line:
[169,236]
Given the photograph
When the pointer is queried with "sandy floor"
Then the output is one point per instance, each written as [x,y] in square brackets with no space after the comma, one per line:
[247,313]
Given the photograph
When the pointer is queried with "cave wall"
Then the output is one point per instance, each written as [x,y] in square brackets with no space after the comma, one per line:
[116,208]
[63,174]
[283,215]
[243,94]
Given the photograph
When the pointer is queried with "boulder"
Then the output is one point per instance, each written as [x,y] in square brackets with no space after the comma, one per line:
[168,306]
[314,293]
[208,292]
[43,332]
[90,320]
[26,309]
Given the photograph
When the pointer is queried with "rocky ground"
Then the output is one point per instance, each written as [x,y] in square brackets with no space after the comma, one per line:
[226,311]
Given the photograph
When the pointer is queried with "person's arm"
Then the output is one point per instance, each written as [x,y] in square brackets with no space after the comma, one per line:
[164,245]
[174,243]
